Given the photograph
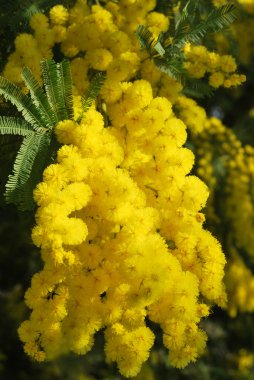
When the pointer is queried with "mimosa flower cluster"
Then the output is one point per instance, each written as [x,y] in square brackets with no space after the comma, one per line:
[240,186]
[119,219]
[240,286]
[227,167]
[119,246]
[107,37]
[193,116]
[234,166]
[221,68]
[214,147]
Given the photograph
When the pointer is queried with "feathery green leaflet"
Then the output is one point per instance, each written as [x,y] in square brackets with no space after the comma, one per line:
[40,112]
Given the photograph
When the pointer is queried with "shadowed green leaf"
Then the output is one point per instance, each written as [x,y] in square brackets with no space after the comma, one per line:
[217,19]
[42,159]
[182,25]
[145,38]
[93,91]
[23,165]
[53,88]
[197,89]
[39,98]
[173,68]
[23,103]
[65,82]
[14,126]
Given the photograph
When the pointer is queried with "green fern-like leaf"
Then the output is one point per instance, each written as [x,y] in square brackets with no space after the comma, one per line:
[153,47]
[14,126]
[158,46]
[174,68]
[23,103]
[41,112]
[182,25]
[93,91]
[197,89]
[42,159]
[23,165]
[39,98]
[218,19]
[53,88]
[65,79]
[145,38]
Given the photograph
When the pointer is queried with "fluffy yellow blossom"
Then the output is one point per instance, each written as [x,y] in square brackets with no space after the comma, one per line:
[39,20]
[191,113]
[157,23]
[222,157]
[59,33]
[216,79]
[221,68]
[99,59]
[58,15]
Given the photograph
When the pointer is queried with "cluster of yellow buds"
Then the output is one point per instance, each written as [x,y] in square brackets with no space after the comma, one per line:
[221,68]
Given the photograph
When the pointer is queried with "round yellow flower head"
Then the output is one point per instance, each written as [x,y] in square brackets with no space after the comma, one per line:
[58,15]
[39,20]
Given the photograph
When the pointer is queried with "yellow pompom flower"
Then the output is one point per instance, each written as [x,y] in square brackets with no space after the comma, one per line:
[157,22]
[111,91]
[58,15]
[60,33]
[39,20]
[99,59]
[216,79]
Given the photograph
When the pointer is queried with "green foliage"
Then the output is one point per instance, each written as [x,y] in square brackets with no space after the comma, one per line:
[41,112]
[44,154]
[93,90]
[146,40]
[32,145]
[184,21]
[38,97]
[65,81]
[36,128]
[53,88]
[23,103]
[190,29]
[195,88]
[190,25]
[14,126]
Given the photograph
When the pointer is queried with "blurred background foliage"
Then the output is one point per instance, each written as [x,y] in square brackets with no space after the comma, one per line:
[230,350]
